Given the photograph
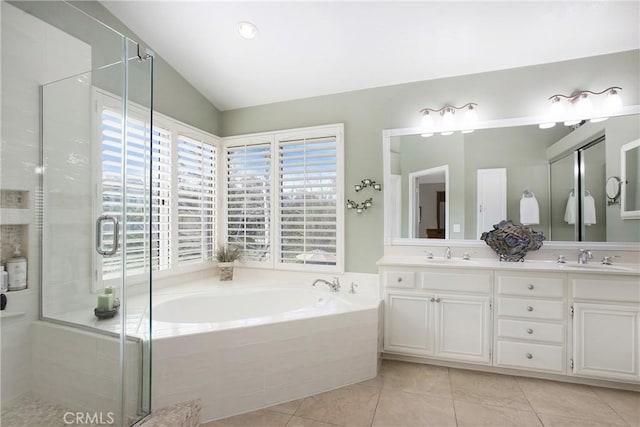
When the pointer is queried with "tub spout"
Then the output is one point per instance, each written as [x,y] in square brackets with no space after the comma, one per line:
[333,286]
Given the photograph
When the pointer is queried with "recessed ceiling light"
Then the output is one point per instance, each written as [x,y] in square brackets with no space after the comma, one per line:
[247,30]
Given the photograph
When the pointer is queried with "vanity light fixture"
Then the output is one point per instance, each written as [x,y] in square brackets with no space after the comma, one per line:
[581,107]
[368,183]
[360,207]
[247,30]
[448,123]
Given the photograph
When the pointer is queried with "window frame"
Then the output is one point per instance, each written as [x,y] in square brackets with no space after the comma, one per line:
[274,137]
[102,99]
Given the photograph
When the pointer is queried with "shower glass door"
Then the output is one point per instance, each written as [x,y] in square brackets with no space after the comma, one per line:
[96,175]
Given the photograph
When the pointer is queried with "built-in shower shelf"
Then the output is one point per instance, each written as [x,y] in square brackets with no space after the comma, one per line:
[11,314]
[13,216]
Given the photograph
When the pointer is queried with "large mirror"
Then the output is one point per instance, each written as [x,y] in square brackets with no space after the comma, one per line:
[553,180]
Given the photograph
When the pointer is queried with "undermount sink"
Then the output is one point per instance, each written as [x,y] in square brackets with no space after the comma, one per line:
[452,261]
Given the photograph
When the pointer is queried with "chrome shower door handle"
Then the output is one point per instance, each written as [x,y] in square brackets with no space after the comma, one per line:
[116,234]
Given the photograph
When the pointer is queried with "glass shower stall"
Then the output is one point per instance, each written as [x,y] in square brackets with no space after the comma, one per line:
[90,242]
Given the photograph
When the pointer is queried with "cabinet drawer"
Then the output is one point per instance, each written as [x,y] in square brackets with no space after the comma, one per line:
[534,309]
[460,281]
[532,286]
[527,330]
[530,356]
[400,279]
[606,288]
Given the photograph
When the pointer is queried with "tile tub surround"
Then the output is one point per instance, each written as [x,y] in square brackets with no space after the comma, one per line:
[241,365]
[402,399]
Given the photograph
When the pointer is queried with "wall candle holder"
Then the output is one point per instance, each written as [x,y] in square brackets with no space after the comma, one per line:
[361,207]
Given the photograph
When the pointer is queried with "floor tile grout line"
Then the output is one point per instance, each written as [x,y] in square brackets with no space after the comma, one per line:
[377,403]
[607,403]
[453,401]
[528,401]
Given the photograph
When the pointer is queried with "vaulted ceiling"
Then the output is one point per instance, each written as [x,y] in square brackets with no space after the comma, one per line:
[306,49]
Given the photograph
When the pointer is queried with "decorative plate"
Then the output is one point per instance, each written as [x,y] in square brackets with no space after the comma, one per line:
[512,241]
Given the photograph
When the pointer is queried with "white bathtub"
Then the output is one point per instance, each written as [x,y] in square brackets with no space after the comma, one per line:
[240,348]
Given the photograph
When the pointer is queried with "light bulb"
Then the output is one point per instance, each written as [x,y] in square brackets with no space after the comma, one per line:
[358,187]
[426,135]
[427,120]
[447,133]
[447,118]
[359,210]
[613,103]
[584,107]
[470,117]
[556,113]
[468,131]
[546,125]
[247,30]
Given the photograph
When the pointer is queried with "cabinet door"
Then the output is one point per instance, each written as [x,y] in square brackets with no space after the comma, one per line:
[463,328]
[408,324]
[605,341]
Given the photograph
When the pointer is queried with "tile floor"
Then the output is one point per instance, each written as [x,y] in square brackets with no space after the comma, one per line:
[407,395]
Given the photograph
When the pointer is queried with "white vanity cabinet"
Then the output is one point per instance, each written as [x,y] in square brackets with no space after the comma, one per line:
[530,325]
[605,327]
[439,313]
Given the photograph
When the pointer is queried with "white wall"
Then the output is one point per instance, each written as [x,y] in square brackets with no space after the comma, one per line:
[33,53]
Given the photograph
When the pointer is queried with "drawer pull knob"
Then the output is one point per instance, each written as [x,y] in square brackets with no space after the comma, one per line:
[529,356]
[529,308]
[432,300]
[399,279]
[437,299]
[530,286]
[529,331]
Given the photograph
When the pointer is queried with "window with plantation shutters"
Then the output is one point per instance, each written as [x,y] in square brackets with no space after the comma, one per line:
[307,207]
[248,198]
[283,198]
[196,200]
[175,232]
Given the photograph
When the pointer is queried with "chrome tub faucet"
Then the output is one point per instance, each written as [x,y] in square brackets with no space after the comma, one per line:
[333,286]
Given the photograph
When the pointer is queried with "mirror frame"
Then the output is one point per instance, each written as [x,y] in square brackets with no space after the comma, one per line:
[624,213]
[388,240]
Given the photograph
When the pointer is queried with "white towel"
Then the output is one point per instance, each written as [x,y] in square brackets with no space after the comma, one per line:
[529,210]
[570,211]
[589,210]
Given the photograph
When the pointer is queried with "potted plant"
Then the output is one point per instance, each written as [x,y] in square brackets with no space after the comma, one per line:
[226,257]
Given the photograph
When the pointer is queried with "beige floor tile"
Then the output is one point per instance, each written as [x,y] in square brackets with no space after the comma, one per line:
[304,422]
[373,382]
[260,418]
[487,389]
[353,405]
[625,403]
[287,407]
[562,421]
[397,408]
[475,414]
[416,378]
[567,400]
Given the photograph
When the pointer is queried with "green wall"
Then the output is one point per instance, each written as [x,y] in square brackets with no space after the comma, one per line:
[517,92]
[173,95]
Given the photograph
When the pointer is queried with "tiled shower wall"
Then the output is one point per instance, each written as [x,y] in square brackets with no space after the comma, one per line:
[33,53]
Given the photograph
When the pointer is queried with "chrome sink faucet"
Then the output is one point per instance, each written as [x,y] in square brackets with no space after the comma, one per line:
[447,253]
[333,286]
[585,256]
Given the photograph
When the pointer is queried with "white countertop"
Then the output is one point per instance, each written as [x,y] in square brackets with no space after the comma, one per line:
[533,265]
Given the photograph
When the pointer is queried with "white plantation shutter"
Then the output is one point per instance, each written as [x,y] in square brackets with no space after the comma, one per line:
[196,200]
[307,210]
[248,190]
[161,169]
[177,171]
[133,232]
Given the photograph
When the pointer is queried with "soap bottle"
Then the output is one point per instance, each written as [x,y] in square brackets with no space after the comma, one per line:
[4,280]
[17,269]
